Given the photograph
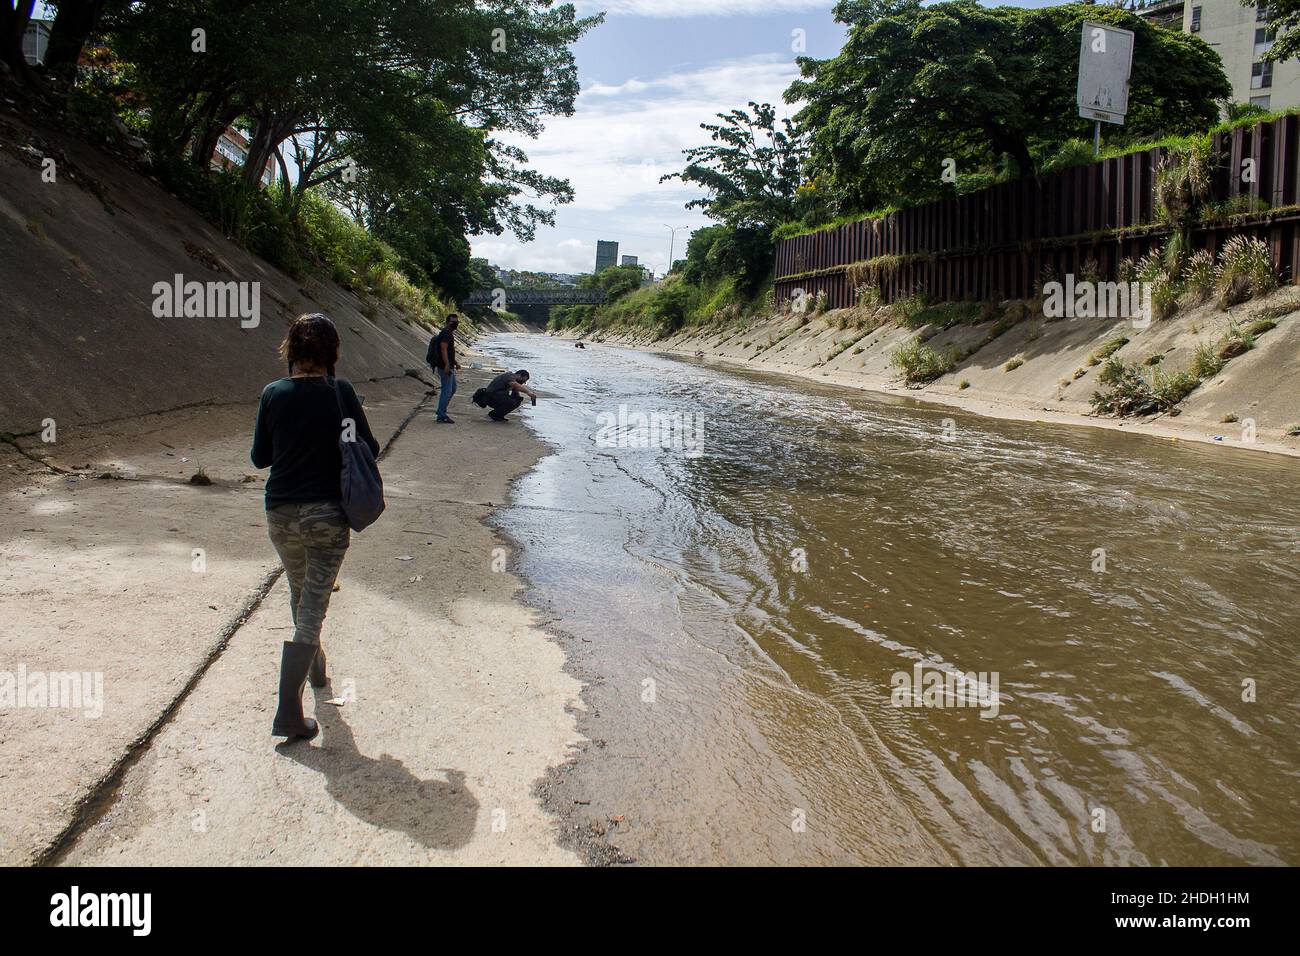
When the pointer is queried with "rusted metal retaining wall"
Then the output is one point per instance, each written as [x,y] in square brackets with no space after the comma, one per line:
[996,243]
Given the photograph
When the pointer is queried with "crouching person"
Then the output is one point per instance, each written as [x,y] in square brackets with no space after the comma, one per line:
[297,436]
[504,394]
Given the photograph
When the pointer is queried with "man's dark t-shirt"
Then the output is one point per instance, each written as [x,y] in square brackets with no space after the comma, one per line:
[501,384]
[435,350]
[297,435]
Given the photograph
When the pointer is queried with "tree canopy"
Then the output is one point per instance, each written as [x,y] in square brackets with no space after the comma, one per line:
[1284,18]
[753,174]
[407,114]
[752,170]
[992,88]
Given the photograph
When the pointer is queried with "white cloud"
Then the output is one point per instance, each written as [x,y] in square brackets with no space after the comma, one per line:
[566,255]
[697,8]
[621,139]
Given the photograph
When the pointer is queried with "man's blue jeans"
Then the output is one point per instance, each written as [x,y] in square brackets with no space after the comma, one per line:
[446,389]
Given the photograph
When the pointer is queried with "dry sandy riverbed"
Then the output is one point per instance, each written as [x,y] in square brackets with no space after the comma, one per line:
[455,701]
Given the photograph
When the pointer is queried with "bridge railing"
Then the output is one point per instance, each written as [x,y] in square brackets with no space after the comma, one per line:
[524,295]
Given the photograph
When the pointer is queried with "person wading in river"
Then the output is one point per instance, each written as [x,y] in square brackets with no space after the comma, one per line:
[442,359]
[504,394]
[297,436]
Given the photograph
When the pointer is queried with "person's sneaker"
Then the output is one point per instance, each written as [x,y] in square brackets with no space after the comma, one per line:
[446,421]
[495,417]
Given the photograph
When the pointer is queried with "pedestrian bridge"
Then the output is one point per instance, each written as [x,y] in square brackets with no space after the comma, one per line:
[507,296]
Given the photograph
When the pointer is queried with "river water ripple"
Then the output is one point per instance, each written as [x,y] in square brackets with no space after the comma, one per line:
[747,610]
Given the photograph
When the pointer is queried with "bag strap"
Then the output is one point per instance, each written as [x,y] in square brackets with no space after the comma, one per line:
[338,396]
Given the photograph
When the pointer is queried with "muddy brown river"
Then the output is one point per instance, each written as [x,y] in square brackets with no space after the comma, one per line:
[827,627]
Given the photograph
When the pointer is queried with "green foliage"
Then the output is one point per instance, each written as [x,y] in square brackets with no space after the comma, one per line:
[792,229]
[1183,179]
[615,282]
[910,310]
[667,307]
[1240,205]
[1107,349]
[1245,269]
[920,363]
[1198,277]
[1284,17]
[1260,326]
[986,86]
[941,315]
[1206,361]
[1073,152]
[572,317]
[1133,392]
[1166,293]
[752,171]
[720,252]
[412,96]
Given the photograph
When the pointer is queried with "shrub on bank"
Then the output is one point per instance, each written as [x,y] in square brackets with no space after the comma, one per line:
[670,306]
[1133,392]
[1245,270]
[322,241]
[920,363]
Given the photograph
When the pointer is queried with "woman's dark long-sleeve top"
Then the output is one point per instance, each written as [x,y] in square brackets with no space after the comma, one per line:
[297,436]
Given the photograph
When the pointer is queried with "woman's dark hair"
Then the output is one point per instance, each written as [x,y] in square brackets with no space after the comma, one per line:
[312,339]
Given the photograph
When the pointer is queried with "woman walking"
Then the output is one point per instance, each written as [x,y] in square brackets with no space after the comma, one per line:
[299,424]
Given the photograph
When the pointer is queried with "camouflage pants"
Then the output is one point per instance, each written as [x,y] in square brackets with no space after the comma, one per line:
[311,539]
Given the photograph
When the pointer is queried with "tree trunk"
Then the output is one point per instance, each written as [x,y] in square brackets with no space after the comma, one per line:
[288,196]
[13,24]
[72,27]
[269,132]
[214,118]
[1005,141]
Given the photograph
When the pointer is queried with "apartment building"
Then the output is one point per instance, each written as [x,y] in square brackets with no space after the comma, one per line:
[1240,35]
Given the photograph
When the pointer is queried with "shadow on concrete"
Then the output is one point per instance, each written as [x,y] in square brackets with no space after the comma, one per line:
[437,814]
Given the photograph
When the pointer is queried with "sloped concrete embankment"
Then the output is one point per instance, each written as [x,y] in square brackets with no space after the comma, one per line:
[1035,370]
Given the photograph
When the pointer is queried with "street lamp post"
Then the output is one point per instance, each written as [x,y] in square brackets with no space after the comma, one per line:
[672,244]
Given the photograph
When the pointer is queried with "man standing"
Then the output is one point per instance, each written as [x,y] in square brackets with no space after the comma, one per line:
[504,394]
[442,359]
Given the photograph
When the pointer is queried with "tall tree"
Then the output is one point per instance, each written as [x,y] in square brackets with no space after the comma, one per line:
[75,23]
[752,170]
[982,86]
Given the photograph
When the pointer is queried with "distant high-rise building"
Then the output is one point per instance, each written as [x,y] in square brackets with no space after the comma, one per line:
[628,261]
[606,254]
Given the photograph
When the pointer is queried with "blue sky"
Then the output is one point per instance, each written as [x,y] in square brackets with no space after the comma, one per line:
[650,75]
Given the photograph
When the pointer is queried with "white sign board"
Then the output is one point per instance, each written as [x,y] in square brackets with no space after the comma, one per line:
[1105,60]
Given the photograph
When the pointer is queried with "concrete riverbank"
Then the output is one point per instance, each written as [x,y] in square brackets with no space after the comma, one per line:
[1034,370]
[453,702]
